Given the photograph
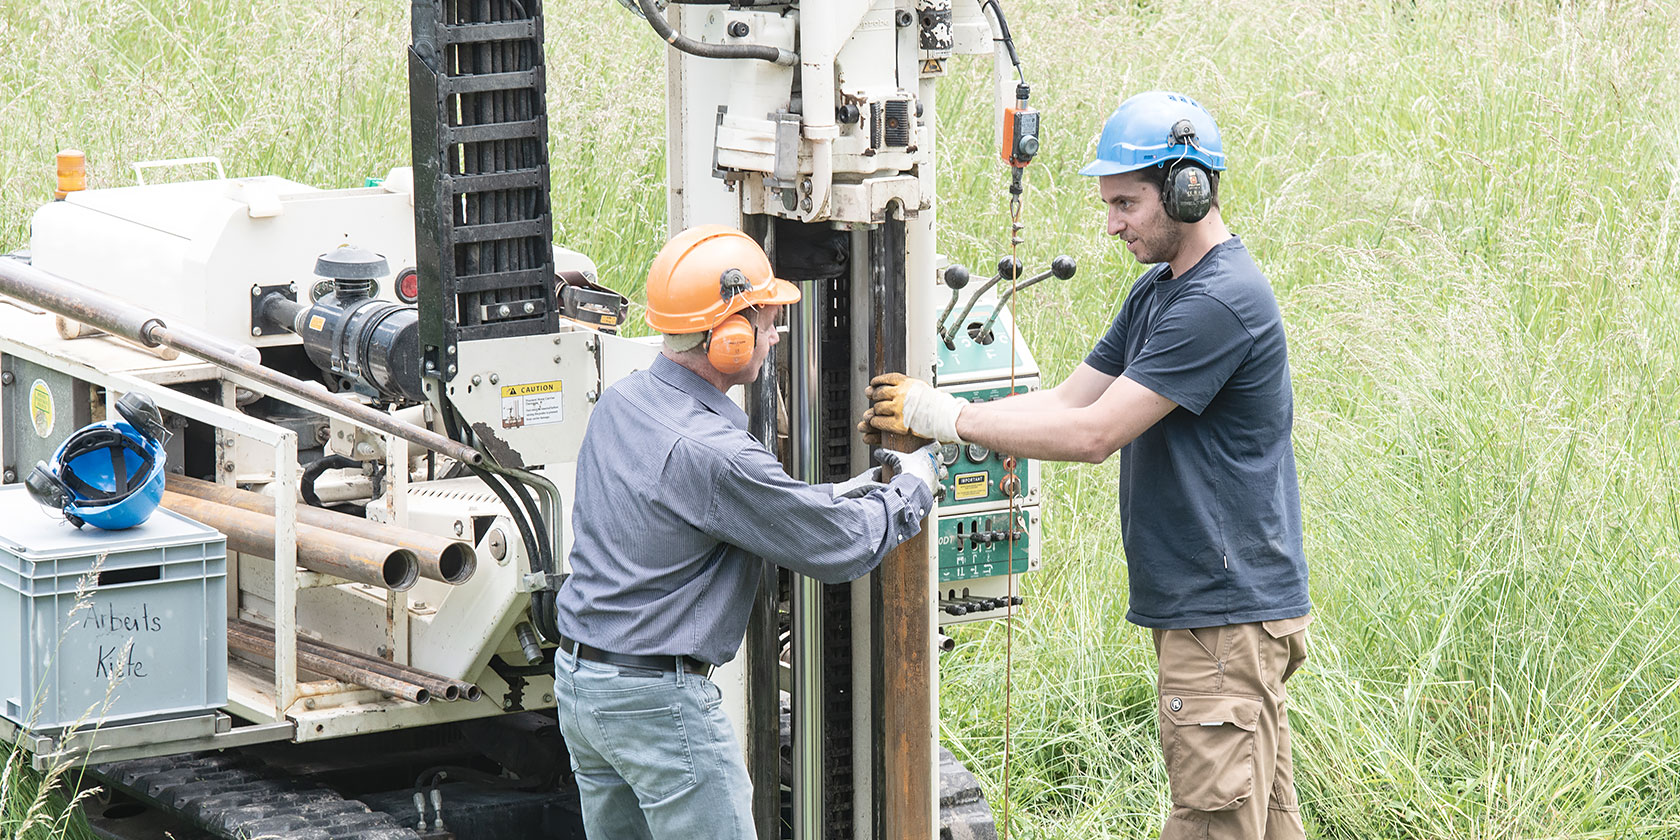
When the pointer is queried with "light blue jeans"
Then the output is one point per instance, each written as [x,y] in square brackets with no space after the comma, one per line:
[654,755]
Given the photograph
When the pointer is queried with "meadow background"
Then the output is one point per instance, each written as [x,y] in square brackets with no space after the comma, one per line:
[1468,211]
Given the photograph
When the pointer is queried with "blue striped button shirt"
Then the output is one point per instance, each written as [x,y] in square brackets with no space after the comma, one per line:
[674,504]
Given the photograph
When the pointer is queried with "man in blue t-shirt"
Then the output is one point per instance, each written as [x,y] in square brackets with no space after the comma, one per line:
[1191,386]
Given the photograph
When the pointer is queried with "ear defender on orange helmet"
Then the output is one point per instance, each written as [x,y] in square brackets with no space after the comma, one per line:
[730,346]
[702,280]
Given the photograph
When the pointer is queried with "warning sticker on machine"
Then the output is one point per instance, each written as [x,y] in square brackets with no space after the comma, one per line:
[531,404]
[41,407]
[970,486]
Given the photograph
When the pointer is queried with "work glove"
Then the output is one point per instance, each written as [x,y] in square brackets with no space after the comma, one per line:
[921,464]
[907,406]
[860,485]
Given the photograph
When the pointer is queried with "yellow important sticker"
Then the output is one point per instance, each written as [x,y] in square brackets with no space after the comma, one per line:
[41,408]
[970,486]
[316,322]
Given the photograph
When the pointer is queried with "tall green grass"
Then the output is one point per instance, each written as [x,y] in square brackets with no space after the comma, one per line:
[1468,211]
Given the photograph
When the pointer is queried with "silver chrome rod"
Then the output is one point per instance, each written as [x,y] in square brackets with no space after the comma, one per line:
[804,445]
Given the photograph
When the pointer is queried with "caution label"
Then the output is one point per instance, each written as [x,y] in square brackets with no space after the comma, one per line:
[967,487]
[41,407]
[531,404]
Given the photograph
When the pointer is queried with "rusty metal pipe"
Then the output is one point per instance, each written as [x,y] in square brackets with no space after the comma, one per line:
[442,687]
[102,311]
[441,558]
[321,550]
[262,644]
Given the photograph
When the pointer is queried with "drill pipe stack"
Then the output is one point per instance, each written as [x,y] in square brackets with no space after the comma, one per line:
[347,665]
[348,556]
[441,558]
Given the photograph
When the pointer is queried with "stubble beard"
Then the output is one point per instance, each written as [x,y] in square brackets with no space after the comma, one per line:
[1161,242]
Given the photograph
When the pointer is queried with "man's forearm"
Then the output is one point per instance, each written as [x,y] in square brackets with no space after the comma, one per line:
[1049,434]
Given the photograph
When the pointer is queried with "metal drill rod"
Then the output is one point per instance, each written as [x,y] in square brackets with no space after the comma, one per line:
[210,350]
[97,309]
[908,794]
[805,390]
[443,559]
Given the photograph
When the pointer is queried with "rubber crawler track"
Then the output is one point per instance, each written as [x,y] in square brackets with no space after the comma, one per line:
[237,796]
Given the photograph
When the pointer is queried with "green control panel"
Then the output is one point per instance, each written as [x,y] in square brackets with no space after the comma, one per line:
[988,516]
[979,545]
[975,475]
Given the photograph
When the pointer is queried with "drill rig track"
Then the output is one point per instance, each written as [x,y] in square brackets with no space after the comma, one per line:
[235,796]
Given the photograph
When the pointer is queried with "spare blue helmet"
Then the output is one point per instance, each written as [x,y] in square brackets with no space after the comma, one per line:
[1155,129]
[108,474]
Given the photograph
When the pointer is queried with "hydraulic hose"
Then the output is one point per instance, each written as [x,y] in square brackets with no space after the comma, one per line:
[774,55]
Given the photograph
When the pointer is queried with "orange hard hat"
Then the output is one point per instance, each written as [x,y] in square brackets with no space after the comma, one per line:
[706,274]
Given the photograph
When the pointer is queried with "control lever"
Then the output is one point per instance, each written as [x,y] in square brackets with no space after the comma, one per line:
[1062,267]
[1008,268]
[956,277]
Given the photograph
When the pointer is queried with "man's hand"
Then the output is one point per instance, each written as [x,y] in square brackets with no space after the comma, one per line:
[906,406]
[859,485]
[921,464]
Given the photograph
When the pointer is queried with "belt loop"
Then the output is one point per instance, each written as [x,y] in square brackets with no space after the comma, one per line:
[680,669]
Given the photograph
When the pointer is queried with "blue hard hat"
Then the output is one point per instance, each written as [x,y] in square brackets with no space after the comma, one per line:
[108,474]
[1155,128]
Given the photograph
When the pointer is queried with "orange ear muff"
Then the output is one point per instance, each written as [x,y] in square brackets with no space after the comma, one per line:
[730,346]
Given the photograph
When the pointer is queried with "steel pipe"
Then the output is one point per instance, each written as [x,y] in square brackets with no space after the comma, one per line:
[441,558]
[262,644]
[321,550]
[439,686]
[101,311]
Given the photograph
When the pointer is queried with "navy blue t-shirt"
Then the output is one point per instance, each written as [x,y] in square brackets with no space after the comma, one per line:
[1209,503]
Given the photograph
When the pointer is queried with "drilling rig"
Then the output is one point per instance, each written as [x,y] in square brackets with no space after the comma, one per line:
[377,397]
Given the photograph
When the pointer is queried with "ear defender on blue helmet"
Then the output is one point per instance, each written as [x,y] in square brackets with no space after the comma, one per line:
[110,474]
[1164,130]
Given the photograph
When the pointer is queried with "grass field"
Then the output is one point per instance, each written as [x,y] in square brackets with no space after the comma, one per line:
[1469,214]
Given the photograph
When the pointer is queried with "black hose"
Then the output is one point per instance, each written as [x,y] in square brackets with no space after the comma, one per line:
[527,518]
[774,55]
[1008,40]
[313,470]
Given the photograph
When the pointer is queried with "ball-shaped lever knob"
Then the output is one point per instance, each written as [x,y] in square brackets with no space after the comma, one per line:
[1063,267]
[1009,268]
[956,277]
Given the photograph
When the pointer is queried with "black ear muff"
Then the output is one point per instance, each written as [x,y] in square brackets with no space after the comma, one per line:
[46,488]
[1188,195]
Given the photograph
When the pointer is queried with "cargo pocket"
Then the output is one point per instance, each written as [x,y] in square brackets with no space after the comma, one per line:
[649,748]
[1208,742]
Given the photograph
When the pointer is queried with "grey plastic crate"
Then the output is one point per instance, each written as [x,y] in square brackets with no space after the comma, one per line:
[98,627]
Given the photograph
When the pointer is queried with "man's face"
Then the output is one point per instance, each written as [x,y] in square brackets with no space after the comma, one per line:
[1135,214]
[764,320]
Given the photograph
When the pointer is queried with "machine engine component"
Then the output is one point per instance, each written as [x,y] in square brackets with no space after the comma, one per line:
[374,342]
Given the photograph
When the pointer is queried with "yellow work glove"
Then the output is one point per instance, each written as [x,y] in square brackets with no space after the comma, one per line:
[906,406]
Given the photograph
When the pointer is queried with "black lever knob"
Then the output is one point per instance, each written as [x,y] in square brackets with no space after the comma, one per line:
[1063,267]
[1009,268]
[956,277]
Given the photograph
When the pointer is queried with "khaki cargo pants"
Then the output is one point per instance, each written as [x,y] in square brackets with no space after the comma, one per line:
[1225,731]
